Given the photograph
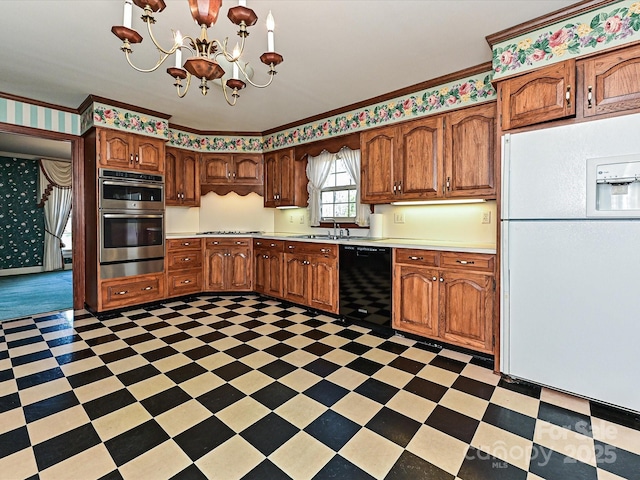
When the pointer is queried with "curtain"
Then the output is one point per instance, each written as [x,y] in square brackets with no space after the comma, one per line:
[317,172]
[351,159]
[55,197]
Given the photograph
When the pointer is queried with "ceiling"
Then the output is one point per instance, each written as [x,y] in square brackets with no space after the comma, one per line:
[337,52]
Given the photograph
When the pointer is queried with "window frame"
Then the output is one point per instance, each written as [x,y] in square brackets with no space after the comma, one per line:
[351,187]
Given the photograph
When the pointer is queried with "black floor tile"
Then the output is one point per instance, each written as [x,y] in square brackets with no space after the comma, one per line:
[615,415]
[321,367]
[574,421]
[332,429]
[281,335]
[479,465]
[314,334]
[279,350]
[198,315]
[269,433]
[165,400]
[203,437]
[274,395]
[426,389]
[39,378]
[6,375]
[364,365]
[246,336]
[232,370]
[13,441]
[186,372]
[56,342]
[340,468]
[318,348]
[277,369]
[200,352]
[326,393]
[176,337]
[9,402]
[617,461]
[92,342]
[137,339]
[376,390]
[190,473]
[113,475]
[241,351]
[394,426]
[135,442]
[66,445]
[159,353]
[453,423]
[90,376]
[350,334]
[522,388]
[509,420]
[474,387]
[266,471]
[169,316]
[31,357]
[190,325]
[355,348]
[220,398]
[75,356]
[49,406]
[109,403]
[450,364]
[552,465]
[393,347]
[407,365]
[138,374]
[412,467]
[111,357]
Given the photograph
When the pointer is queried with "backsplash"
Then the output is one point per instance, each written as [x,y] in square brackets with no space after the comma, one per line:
[21,221]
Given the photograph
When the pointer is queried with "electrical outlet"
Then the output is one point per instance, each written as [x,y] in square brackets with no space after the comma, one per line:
[290,218]
[398,218]
[486,217]
[302,219]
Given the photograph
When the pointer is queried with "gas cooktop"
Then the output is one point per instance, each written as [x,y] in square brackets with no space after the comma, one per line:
[228,232]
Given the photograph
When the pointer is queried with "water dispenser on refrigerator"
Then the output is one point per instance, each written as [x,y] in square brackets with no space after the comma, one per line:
[613,186]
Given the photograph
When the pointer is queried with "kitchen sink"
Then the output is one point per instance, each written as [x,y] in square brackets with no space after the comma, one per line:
[331,237]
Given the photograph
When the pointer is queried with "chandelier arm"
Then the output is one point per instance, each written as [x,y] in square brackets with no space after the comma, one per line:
[155,42]
[148,70]
[272,73]
[186,87]
[226,97]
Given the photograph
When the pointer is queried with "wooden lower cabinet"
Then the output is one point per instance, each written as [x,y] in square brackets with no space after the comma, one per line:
[228,265]
[311,275]
[267,265]
[445,296]
[184,266]
[128,291]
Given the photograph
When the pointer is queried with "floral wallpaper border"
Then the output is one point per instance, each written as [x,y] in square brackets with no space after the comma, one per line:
[205,143]
[102,115]
[460,93]
[609,26]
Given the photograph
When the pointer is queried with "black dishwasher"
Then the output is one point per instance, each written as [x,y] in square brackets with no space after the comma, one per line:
[365,284]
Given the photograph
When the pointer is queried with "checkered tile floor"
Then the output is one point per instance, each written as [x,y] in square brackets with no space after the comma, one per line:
[247,387]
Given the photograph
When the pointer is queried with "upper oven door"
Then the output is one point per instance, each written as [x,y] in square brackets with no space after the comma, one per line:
[126,236]
[126,194]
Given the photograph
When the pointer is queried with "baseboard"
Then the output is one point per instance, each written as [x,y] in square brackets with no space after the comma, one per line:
[21,271]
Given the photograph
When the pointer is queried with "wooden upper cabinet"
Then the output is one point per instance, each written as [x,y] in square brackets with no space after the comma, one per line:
[216,169]
[128,151]
[539,96]
[470,155]
[378,150]
[182,180]
[247,169]
[285,179]
[239,172]
[611,82]
[419,159]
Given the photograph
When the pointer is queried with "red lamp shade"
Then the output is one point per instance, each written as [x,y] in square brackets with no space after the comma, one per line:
[205,12]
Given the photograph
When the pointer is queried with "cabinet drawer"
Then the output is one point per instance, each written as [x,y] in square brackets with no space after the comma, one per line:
[180,243]
[271,245]
[312,248]
[227,242]
[120,292]
[411,256]
[183,259]
[468,261]
[184,282]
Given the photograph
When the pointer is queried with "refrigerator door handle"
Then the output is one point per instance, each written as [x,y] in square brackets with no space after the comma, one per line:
[506,166]
[504,300]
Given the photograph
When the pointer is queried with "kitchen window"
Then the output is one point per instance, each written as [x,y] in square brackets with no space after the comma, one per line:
[338,195]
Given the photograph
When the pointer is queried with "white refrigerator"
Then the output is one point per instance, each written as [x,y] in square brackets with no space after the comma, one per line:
[570,303]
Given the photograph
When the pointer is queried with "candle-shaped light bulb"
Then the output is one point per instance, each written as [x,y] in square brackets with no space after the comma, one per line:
[126,21]
[271,25]
[178,40]
[242,3]
[236,57]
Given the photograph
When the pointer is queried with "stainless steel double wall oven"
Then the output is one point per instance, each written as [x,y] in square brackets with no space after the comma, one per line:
[132,224]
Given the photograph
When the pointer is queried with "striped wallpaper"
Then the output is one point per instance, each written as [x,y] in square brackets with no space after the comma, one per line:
[34,116]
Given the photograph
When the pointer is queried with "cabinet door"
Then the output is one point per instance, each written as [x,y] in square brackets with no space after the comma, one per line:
[274,284]
[247,169]
[239,271]
[184,282]
[419,161]
[287,175]
[215,263]
[261,270]
[539,96]
[183,259]
[149,153]
[467,310]
[470,155]
[295,278]
[271,179]
[115,149]
[378,150]
[172,178]
[323,283]
[612,82]
[134,290]
[190,195]
[217,169]
[415,300]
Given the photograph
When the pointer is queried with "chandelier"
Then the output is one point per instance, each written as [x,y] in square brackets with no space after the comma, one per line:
[206,55]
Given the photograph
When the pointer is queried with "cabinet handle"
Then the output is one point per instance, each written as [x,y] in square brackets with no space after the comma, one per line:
[147,288]
[137,158]
[325,250]
[214,243]
[416,258]
[465,262]
[448,184]
[186,244]
[589,96]
[400,186]
[228,174]
[187,281]
[265,256]
[568,96]
[131,158]
[123,292]
[441,279]
[186,259]
[238,243]
[258,243]
[272,245]
[395,188]
[435,278]
[234,174]
[291,247]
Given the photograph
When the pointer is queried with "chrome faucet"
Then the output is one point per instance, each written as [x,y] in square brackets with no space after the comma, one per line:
[335,227]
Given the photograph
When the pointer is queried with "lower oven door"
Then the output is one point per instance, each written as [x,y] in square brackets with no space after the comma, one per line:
[126,236]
